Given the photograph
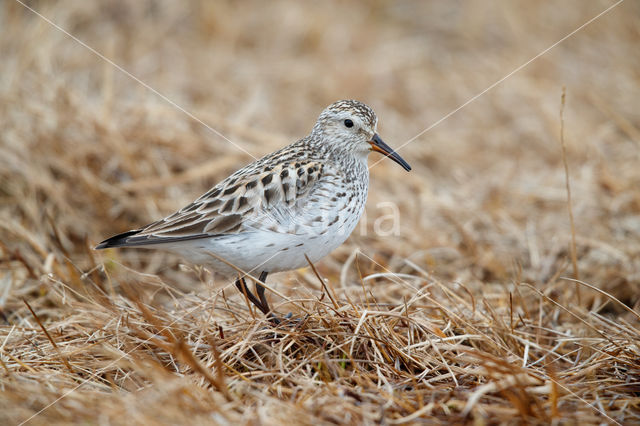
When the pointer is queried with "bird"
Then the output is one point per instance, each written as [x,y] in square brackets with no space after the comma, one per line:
[299,202]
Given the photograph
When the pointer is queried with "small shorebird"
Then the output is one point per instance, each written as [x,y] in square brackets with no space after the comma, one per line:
[305,198]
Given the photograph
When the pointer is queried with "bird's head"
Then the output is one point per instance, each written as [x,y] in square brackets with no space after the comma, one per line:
[350,127]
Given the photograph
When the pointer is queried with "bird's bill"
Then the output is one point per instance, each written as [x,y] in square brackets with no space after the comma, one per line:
[378,145]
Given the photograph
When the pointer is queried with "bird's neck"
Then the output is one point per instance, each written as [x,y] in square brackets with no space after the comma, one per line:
[353,163]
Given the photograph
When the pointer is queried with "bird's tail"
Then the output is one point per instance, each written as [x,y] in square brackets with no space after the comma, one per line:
[121,240]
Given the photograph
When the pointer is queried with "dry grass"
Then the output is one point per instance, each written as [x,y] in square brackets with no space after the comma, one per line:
[466,315]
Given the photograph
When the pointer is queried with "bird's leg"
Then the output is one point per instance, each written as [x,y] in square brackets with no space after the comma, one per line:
[261,301]
[242,286]
[260,290]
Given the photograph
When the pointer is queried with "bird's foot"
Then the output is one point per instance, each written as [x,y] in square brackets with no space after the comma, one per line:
[286,320]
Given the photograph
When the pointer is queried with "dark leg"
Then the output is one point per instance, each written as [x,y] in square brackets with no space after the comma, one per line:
[260,290]
[263,300]
[242,286]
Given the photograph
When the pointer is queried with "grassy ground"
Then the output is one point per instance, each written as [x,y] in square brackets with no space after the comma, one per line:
[468,313]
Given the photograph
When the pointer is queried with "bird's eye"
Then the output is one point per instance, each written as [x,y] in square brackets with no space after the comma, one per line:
[348,123]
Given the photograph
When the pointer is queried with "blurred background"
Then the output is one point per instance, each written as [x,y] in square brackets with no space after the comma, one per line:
[89,148]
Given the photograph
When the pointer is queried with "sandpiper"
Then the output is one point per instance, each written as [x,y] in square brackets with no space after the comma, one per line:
[304,199]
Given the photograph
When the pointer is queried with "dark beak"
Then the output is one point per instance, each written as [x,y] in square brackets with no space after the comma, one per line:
[378,145]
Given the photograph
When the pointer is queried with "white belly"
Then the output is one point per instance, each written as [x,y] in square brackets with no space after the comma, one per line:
[260,250]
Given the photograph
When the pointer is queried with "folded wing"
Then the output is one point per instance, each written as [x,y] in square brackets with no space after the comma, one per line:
[254,198]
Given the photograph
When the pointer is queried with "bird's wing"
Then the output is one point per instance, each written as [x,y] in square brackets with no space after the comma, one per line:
[257,197]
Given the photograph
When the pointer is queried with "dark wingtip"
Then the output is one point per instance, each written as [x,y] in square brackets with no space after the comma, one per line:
[119,240]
